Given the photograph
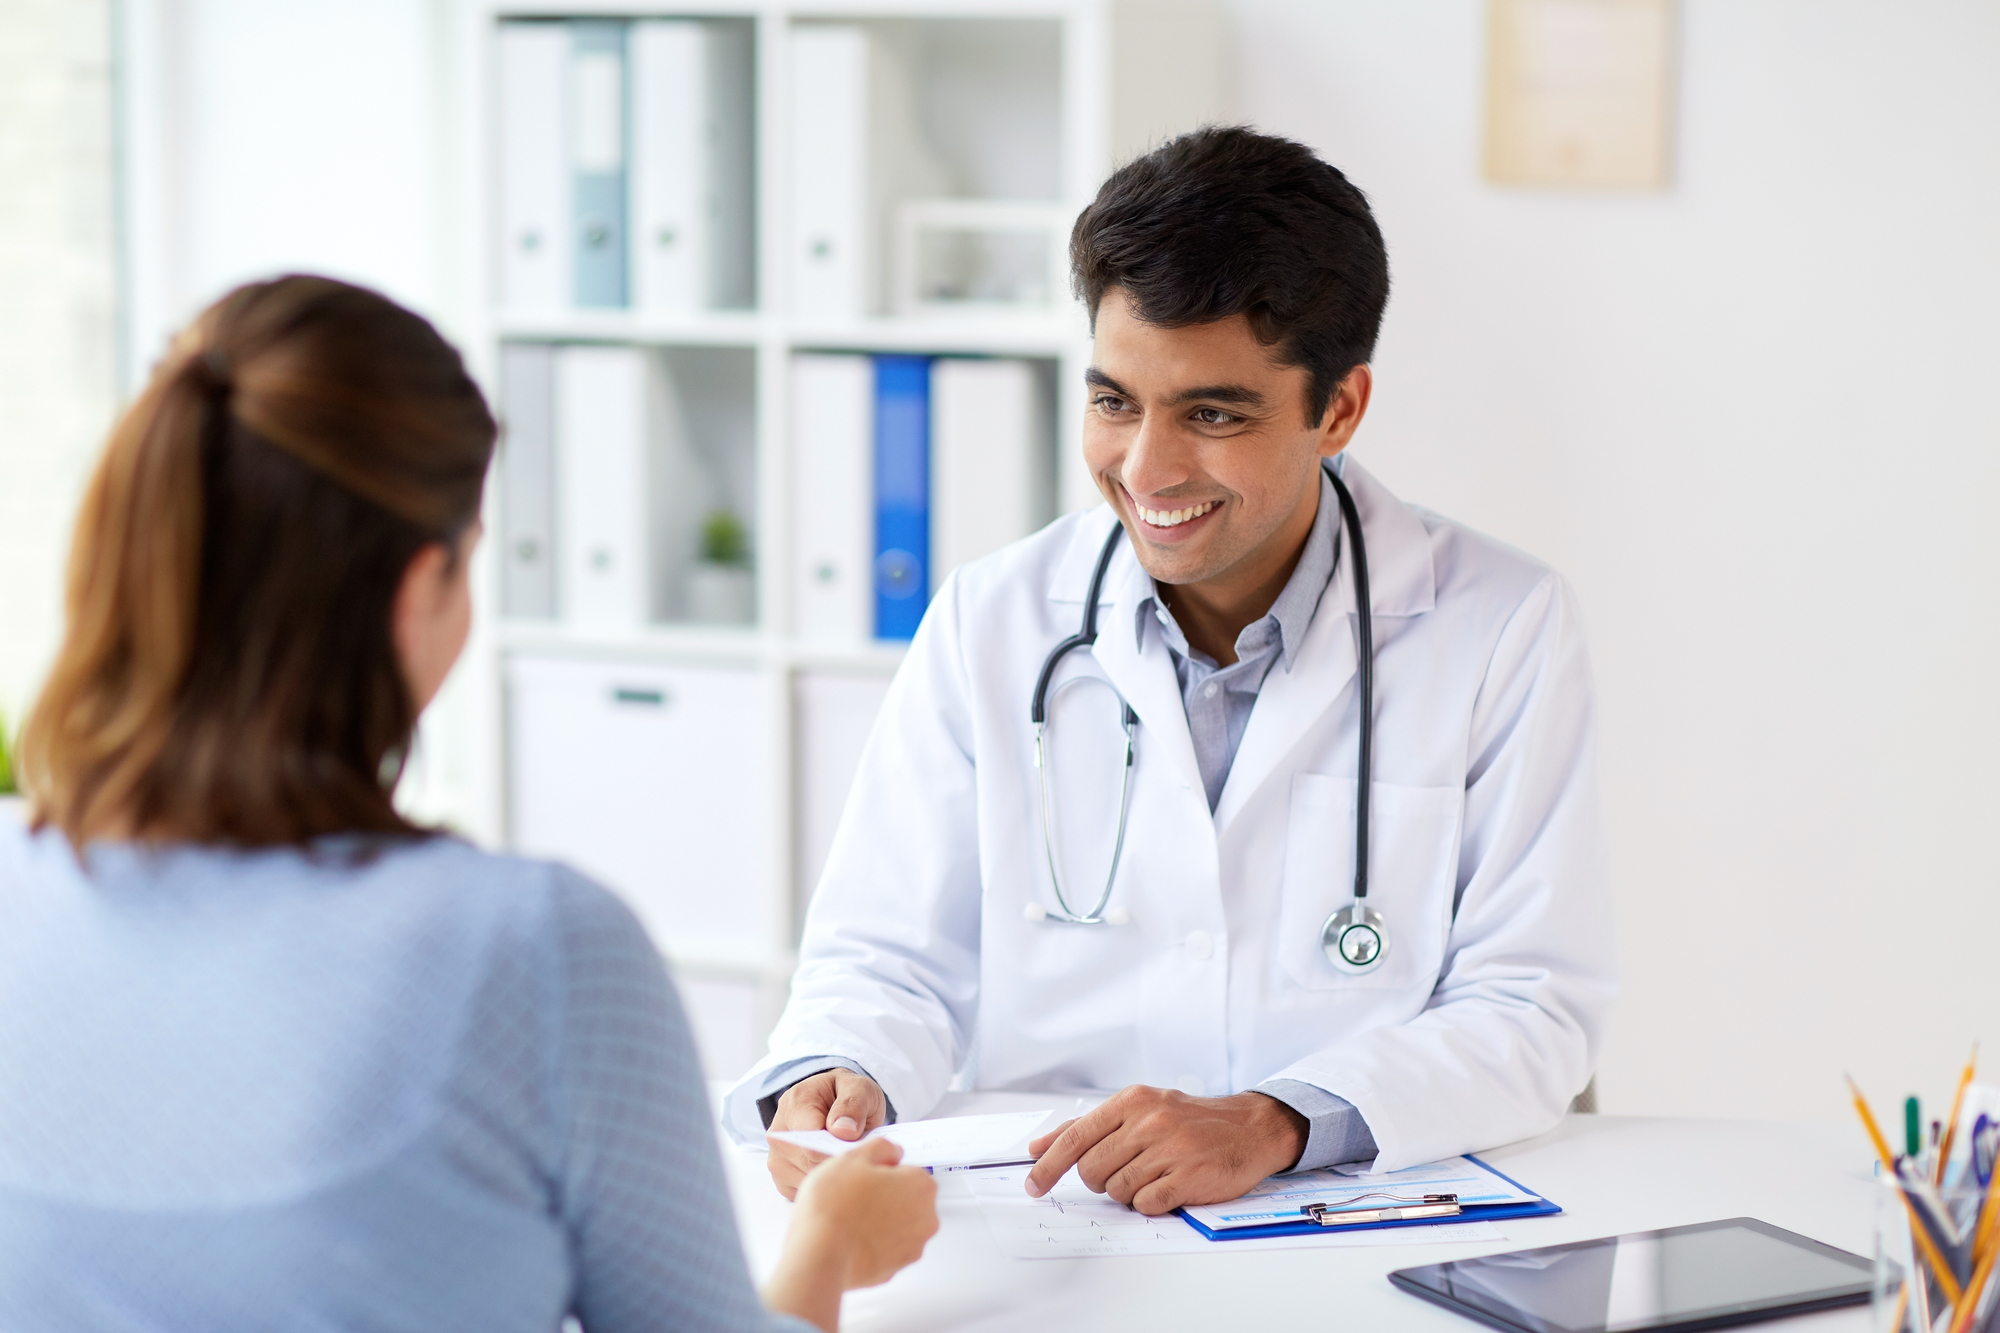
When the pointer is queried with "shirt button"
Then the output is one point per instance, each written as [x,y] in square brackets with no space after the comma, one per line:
[1192,1084]
[1208,690]
[1199,946]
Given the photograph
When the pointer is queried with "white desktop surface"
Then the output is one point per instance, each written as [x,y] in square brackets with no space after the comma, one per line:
[1809,1178]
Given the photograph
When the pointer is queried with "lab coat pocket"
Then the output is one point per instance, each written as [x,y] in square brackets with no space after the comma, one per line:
[1412,868]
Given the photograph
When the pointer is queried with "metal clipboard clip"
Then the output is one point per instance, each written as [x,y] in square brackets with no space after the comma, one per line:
[1410,1210]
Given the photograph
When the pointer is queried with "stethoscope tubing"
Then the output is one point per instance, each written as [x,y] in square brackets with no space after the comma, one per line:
[1364,673]
[1130,722]
[1083,638]
[1086,636]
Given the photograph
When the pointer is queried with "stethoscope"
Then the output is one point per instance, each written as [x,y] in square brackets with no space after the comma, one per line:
[1355,938]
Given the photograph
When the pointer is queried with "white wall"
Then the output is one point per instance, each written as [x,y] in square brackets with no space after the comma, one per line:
[57,342]
[271,136]
[1751,417]
[266,136]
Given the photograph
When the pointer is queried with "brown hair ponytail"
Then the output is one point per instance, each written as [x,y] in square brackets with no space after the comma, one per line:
[227,673]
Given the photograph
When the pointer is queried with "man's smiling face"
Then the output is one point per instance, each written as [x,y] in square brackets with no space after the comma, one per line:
[1198,438]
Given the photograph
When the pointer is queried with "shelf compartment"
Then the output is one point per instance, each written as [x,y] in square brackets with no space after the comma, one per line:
[616,465]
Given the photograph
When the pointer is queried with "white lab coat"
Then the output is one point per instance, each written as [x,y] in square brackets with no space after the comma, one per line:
[1487,1014]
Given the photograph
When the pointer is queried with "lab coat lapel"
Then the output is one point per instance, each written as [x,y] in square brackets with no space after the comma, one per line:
[1402,582]
[1138,666]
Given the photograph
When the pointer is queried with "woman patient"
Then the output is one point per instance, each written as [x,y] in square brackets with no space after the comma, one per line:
[271,1056]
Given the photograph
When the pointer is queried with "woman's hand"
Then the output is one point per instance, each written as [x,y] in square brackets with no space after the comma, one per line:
[860,1219]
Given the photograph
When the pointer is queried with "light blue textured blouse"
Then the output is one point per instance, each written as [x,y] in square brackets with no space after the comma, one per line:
[430,1090]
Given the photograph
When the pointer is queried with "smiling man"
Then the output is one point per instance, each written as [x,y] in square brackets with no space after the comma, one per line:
[1135,901]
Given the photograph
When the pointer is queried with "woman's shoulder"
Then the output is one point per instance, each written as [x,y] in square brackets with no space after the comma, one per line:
[510,891]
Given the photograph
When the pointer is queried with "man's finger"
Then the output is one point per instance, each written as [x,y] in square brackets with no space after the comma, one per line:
[1126,1168]
[858,1108]
[804,1104]
[1161,1194]
[1078,1138]
[789,1165]
[1117,1151]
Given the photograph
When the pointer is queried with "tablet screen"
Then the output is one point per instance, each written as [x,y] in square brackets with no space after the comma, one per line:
[1707,1276]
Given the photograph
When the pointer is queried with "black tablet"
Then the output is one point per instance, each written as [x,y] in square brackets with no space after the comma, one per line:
[1714,1275]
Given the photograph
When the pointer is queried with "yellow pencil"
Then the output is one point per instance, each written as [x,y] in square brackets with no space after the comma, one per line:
[1983,1246]
[1874,1130]
[1961,1318]
[1939,1269]
[1951,1125]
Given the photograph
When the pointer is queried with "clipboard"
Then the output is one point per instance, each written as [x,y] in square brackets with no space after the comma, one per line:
[1475,1212]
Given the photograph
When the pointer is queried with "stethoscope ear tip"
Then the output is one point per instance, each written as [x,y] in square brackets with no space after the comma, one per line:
[1117,916]
[1035,912]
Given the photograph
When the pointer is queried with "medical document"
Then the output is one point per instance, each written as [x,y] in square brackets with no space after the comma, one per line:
[952,1141]
[1285,1198]
[1071,1222]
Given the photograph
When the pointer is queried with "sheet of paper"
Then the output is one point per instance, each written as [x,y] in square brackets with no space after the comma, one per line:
[1281,1198]
[952,1141]
[1070,1222]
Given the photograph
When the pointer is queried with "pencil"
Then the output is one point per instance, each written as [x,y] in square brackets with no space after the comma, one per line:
[1957,1101]
[1961,1318]
[1929,1207]
[1918,1232]
[1874,1130]
[1984,1247]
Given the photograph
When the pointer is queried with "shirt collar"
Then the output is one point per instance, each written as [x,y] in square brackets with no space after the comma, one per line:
[1296,602]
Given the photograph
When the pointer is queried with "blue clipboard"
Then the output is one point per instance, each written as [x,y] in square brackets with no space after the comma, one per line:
[1473,1212]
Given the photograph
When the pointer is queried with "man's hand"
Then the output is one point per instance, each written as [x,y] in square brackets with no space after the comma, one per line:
[1157,1149]
[838,1100]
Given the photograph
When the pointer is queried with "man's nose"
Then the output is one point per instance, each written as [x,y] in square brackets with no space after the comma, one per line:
[1157,459]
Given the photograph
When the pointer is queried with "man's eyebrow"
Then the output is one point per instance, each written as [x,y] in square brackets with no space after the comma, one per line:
[1092,375]
[1214,393]
[1220,393]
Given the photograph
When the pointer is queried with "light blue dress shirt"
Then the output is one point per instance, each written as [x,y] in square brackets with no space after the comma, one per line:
[391,1087]
[1218,701]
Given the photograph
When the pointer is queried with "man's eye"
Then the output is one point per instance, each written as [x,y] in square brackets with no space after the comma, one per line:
[1108,403]
[1213,416]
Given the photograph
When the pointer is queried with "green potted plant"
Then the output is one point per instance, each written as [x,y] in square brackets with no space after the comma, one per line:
[722,587]
[8,791]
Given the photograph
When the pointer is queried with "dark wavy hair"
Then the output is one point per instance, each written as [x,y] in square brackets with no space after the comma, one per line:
[1225,221]
[227,672]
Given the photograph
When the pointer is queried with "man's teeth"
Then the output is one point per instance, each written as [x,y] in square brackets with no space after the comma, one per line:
[1168,518]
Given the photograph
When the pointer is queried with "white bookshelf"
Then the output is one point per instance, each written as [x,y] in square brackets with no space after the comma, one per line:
[1167,77]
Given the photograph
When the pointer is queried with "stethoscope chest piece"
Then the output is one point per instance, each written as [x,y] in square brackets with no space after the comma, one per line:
[1356,938]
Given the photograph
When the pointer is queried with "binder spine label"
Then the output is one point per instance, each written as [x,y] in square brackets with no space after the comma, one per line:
[597,159]
[527,481]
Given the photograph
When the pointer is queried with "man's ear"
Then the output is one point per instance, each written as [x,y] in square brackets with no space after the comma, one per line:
[1344,410]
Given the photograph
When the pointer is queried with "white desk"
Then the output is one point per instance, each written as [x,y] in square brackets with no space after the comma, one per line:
[1813,1179]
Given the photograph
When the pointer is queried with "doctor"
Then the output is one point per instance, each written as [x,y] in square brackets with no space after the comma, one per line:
[1236,284]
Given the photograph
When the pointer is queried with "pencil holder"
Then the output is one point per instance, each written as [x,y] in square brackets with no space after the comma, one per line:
[1929,1277]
